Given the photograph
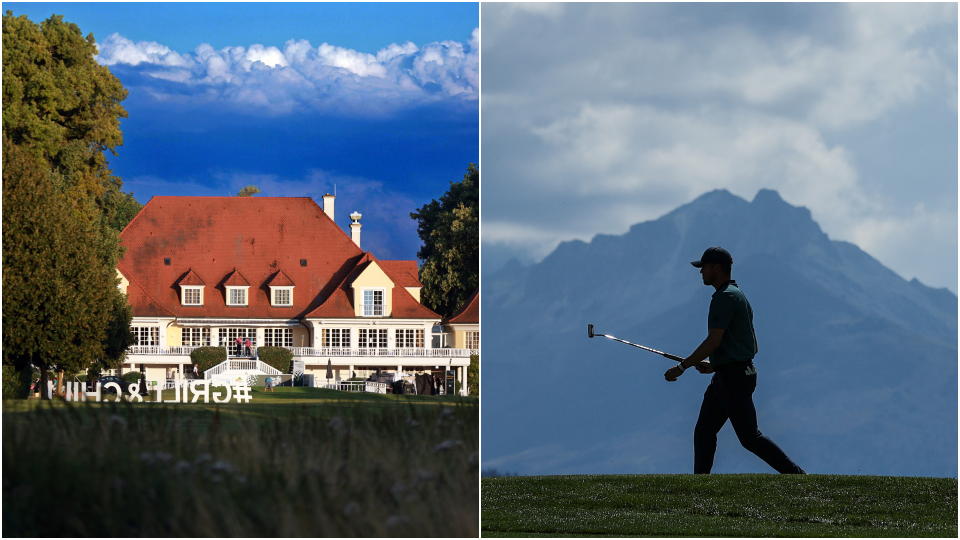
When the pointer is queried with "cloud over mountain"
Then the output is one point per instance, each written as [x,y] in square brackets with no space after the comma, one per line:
[300,76]
[616,113]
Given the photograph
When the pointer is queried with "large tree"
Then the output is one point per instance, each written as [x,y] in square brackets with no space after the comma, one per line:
[59,299]
[450,231]
[63,208]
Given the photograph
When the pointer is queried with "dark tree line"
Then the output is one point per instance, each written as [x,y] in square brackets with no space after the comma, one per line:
[63,208]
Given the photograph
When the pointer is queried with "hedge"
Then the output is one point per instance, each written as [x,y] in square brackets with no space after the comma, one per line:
[473,375]
[277,357]
[16,384]
[208,357]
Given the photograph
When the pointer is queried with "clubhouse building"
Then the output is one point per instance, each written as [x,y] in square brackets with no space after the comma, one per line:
[278,271]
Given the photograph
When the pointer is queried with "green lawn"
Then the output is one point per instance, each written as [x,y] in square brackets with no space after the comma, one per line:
[297,462]
[719,505]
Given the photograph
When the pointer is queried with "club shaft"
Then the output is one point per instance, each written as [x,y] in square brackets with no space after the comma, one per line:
[661,353]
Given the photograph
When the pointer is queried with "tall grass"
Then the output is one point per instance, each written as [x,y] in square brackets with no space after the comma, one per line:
[152,470]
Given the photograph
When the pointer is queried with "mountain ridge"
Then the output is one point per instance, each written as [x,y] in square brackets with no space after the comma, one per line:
[839,334]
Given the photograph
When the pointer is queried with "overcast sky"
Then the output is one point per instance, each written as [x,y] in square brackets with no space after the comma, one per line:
[598,116]
[378,101]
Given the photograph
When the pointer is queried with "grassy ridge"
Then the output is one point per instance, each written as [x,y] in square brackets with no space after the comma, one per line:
[298,462]
[719,505]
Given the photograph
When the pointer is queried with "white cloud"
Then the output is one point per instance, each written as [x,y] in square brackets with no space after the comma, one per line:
[327,77]
[617,114]
[116,49]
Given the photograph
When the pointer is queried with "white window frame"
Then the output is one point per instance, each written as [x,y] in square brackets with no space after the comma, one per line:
[335,338]
[373,338]
[183,295]
[278,337]
[147,336]
[246,296]
[273,296]
[372,311]
[195,337]
[472,339]
[409,338]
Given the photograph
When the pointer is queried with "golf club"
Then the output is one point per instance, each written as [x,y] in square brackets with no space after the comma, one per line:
[661,353]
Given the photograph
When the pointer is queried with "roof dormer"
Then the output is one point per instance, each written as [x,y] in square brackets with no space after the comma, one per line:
[281,290]
[191,289]
[237,289]
[372,292]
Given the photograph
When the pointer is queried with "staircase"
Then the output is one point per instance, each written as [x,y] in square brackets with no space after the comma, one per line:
[246,367]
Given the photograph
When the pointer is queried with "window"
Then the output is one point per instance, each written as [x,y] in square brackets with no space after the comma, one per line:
[439,338]
[336,338]
[373,303]
[409,338]
[195,337]
[228,337]
[278,337]
[282,297]
[373,339]
[473,340]
[191,296]
[236,296]
[146,335]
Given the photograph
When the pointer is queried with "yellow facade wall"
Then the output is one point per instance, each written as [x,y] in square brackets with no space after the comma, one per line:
[174,336]
[414,292]
[373,277]
[301,337]
[124,282]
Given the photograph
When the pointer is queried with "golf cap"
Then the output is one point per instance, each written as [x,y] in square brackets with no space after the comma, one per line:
[714,255]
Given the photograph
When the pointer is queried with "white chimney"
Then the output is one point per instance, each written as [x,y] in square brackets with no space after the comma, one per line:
[355,227]
[328,205]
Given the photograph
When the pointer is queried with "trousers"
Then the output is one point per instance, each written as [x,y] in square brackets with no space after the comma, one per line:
[730,396]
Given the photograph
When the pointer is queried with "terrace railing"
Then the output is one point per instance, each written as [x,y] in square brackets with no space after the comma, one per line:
[356,386]
[160,351]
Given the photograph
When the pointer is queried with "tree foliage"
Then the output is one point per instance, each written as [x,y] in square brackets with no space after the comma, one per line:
[248,191]
[450,231]
[59,102]
[63,208]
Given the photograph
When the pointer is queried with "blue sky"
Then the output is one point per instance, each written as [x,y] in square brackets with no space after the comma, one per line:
[377,101]
[600,116]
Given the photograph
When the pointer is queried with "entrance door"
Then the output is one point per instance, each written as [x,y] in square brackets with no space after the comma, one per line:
[230,335]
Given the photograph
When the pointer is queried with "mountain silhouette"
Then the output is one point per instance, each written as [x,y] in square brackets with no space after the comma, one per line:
[857,367]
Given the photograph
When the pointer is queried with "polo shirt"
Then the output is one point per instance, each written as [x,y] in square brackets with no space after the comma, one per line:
[730,310]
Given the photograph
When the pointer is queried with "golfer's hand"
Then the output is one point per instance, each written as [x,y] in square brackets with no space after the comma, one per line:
[704,367]
[672,374]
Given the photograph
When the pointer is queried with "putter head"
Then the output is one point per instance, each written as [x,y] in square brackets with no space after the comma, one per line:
[589,330]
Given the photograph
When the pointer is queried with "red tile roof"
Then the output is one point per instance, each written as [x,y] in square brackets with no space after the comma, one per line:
[255,241]
[469,313]
[405,272]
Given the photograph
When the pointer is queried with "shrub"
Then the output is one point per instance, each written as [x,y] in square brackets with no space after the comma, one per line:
[277,357]
[207,357]
[16,384]
[131,377]
[473,375]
